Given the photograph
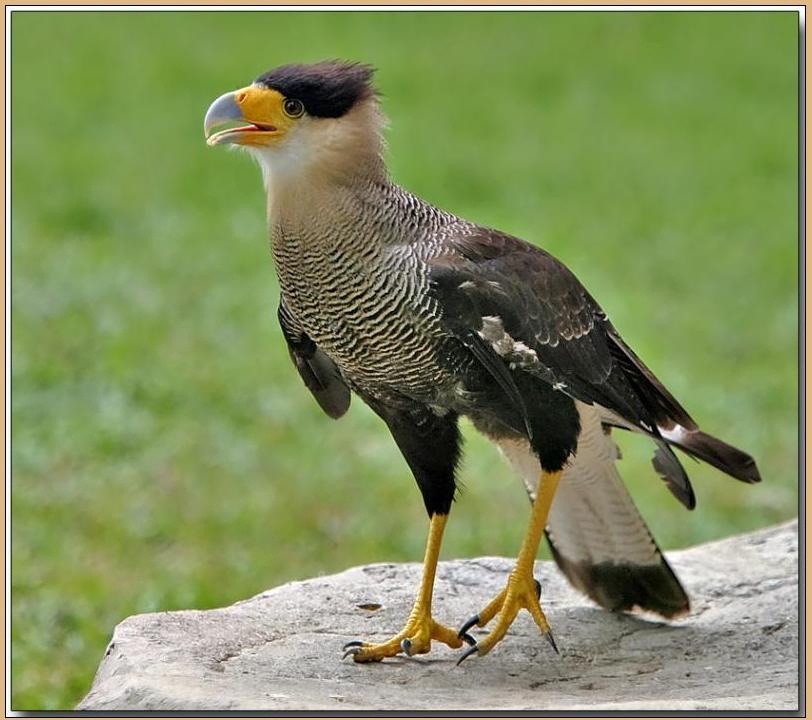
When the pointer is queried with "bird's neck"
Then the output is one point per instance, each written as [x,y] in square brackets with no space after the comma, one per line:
[324,239]
[320,199]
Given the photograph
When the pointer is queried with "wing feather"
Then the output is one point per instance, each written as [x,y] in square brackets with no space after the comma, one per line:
[543,305]
[539,303]
[319,373]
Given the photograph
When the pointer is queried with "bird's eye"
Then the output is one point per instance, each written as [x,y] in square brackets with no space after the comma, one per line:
[293,108]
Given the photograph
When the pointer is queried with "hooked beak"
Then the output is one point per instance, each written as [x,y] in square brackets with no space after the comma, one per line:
[260,107]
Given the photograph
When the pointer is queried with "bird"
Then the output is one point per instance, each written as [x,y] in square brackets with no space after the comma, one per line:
[429,318]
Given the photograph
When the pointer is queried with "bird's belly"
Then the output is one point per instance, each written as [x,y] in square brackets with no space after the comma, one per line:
[397,357]
[379,330]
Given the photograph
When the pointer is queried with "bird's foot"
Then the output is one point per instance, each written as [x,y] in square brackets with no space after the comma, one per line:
[415,639]
[521,592]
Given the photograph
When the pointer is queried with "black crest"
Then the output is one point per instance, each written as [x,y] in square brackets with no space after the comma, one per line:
[327,89]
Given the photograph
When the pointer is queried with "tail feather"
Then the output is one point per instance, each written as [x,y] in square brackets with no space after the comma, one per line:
[622,587]
[596,534]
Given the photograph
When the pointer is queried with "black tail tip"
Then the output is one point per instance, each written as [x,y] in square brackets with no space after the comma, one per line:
[625,586]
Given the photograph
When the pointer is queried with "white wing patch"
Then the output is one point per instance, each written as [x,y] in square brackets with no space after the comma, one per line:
[515,352]
[676,434]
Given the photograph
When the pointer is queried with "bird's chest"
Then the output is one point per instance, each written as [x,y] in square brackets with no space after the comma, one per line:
[366,307]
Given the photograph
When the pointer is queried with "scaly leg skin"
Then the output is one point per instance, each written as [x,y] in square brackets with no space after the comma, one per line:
[421,628]
[522,590]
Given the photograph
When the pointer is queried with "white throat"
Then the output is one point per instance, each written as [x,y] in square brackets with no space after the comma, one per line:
[317,153]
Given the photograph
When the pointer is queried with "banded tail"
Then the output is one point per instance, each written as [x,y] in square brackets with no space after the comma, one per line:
[595,532]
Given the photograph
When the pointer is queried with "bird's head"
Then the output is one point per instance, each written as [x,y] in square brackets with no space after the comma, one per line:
[299,117]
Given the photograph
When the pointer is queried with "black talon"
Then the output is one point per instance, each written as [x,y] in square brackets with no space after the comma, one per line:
[473,620]
[406,646]
[353,643]
[551,640]
[465,637]
[470,651]
[351,651]
[538,589]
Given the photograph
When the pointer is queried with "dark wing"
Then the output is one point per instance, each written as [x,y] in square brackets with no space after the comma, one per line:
[488,279]
[543,305]
[319,372]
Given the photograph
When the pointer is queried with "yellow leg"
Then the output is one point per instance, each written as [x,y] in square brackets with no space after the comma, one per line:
[521,590]
[421,628]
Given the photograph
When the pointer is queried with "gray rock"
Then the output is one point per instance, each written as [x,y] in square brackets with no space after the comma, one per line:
[281,650]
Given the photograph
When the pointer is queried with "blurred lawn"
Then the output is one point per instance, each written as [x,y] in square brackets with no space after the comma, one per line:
[166,455]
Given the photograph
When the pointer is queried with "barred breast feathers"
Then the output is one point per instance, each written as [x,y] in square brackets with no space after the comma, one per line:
[358,282]
[351,249]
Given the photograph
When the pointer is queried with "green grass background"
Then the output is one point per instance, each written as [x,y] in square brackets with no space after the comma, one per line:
[166,455]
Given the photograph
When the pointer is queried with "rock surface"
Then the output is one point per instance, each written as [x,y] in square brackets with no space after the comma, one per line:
[281,650]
